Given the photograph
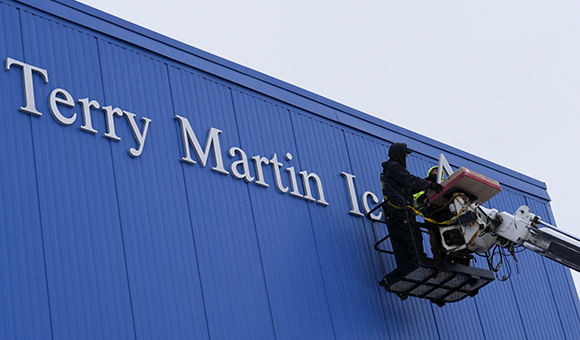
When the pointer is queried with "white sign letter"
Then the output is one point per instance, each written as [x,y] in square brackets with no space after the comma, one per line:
[86,106]
[109,112]
[29,104]
[67,101]
[276,168]
[189,138]
[349,179]
[258,161]
[292,176]
[365,203]
[139,136]
[306,185]
[243,162]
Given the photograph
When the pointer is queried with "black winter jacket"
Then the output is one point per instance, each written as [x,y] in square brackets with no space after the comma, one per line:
[398,180]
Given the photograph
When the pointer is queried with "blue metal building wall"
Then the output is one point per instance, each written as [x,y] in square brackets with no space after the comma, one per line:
[95,244]
[24,307]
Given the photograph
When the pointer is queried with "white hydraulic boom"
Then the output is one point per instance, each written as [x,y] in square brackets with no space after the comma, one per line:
[482,228]
[462,227]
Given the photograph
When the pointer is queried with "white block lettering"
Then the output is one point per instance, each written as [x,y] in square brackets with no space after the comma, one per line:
[306,185]
[27,84]
[67,101]
[189,138]
[245,174]
[292,176]
[86,107]
[139,135]
[276,169]
[349,179]
[365,203]
[258,161]
[109,119]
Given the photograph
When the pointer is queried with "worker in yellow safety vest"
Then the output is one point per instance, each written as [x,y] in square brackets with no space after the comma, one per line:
[420,197]
[421,200]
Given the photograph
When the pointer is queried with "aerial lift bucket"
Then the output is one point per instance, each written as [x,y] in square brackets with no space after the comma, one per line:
[438,281]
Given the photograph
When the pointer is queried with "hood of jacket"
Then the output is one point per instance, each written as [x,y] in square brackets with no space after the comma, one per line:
[398,153]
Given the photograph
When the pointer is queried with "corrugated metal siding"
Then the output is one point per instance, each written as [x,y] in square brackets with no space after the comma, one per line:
[86,272]
[24,308]
[497,306]
[532,289]
[340,237]
[287,246]
[150,247]
[497,310]
[560,281]
[161,257]
[494,311]
[235,292]
[410,319]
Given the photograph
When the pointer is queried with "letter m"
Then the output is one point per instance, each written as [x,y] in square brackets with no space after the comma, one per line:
[212,141]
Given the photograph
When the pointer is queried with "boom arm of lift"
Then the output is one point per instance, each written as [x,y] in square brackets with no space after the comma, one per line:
[488,227]
[526,229]
[466,227]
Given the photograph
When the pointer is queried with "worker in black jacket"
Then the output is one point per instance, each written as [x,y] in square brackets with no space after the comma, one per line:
[399,185]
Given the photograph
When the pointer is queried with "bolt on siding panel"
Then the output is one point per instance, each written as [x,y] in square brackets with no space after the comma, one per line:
[531,287]
[161,258]
[497,310]
[412,318]
[448,319]
[287,246]
[496,304]
[86,274]
[230,266]
[24,308]
[559,280]
[543,322]
[340,237]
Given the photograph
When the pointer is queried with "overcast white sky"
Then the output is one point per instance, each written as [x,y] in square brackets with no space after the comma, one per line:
[498,79]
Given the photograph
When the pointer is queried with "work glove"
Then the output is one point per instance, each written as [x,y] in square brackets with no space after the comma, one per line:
[436,187]
[422,200]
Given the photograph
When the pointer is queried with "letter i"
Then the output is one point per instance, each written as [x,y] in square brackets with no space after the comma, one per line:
[293,182]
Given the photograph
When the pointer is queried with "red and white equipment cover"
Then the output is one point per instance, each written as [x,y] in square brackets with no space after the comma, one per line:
[469,182]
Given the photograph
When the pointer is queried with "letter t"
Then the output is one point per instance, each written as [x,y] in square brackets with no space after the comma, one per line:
[30,105]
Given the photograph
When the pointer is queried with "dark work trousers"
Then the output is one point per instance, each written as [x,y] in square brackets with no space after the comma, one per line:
[402,239]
